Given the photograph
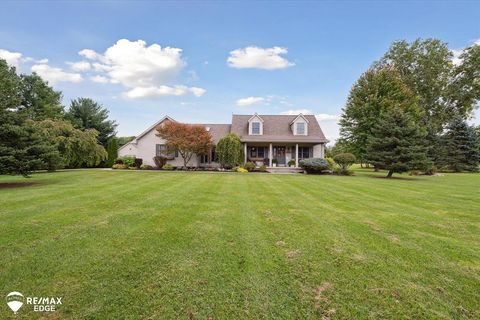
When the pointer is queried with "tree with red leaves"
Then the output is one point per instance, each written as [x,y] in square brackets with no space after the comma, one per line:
[187,139]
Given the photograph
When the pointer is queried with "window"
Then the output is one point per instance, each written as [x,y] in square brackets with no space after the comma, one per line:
[304,152]
[300,128]
[255,127]
[257,152]
[161,150]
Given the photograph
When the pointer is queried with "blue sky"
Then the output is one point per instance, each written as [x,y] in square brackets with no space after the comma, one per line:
[223,58]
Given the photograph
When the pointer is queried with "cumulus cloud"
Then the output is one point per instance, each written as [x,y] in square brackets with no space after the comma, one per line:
[457,52]
[54,75]
[162,91]
[146,71]
[12,58]
[259,58]
[99,79]
[295,112]
[249,101]
[327,117]
[80,66]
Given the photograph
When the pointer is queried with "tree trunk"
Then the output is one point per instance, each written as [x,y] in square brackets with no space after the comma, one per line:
[390,173]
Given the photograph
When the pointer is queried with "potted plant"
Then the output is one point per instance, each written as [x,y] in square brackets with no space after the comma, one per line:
[291,163]
[274,162]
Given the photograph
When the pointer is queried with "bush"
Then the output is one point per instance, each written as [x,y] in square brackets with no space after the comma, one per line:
[274,161]
[138,162]
[250,166]
[314,165]
[342,172]
[160,161]
[241,170]
[431,171]
[331,163]
[291,163]
[344,160]
[118,161]
[119,166]
[229,151]
[167,166]
[129,161]
[263,168]
[146,167]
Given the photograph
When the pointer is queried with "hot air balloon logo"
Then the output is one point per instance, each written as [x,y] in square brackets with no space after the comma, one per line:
[15,301]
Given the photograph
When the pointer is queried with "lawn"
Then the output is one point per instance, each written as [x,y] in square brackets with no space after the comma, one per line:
[160,245]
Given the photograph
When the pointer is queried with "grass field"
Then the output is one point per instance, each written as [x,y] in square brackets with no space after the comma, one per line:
[161,245]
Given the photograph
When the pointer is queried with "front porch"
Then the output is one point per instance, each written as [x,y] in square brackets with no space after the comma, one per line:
[277,155]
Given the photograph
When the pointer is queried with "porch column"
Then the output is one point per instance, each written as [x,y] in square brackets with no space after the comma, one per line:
[270,155]
[296,155]
[245,152]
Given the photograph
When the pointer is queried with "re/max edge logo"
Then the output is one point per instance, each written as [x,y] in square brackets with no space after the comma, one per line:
[15,300]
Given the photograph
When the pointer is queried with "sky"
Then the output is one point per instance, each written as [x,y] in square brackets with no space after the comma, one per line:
[202,61]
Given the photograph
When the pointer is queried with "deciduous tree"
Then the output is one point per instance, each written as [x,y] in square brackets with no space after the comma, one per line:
[188,139]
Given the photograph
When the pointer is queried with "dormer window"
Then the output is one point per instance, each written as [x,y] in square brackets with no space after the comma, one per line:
[301,128]
[255,127]
[299,125]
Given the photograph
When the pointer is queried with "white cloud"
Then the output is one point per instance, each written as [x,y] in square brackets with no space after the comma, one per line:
[80,66]
[295,112]
[249,101]
[327,117]
[146,71]
[162,91]
[12,58]
[99,79]
[89,54]
[54,75]
[259,58]
[457,52]
[329,125]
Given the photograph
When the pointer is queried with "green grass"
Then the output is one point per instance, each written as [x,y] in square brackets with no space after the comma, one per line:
[160,245]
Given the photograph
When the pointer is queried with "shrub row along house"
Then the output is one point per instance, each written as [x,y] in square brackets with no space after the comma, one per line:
[270,140]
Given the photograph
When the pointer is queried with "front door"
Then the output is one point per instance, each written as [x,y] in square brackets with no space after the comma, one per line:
[279,154]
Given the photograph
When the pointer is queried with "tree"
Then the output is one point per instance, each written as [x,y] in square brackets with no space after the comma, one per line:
[112,151]
[397,143]
[21,149]
[85,114]
[124,140]
[376,91]
[39,100]
[188,139]
[229,151]
[344,160]
[77,147]
[460,150]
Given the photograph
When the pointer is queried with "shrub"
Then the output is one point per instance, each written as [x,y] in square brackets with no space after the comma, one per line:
[431,171]
[344,160]
[274,161]
[167,166]
[112,150]
[118,161]
[291,163]
[241,170]
[160,161]
[342,172]
[146,167]
[263,168]
[314,165]
[138,162]
[250,166]
[331,163]
[229,151]
[129,161]
[119,166]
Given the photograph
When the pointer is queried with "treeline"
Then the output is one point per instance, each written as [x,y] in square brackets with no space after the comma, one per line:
[409,110]
[37,133]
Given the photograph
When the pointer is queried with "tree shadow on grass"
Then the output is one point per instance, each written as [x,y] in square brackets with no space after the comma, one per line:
[14,185]
[397,178]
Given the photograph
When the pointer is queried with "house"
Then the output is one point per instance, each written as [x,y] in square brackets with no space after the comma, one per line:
[267,139]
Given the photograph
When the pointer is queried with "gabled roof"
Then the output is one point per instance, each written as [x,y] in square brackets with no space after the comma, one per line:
[299,116]
[276,128]
[153,126]
[255,116]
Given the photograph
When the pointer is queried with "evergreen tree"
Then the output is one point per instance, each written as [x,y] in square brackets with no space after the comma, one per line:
[397,143]
[229,151]
[85,114]
[112,150]
[39,100]
[459,151]
[377,90]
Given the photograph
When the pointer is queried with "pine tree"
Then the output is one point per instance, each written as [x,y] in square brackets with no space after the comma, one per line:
[460,150]
[112,150]
[397,143]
